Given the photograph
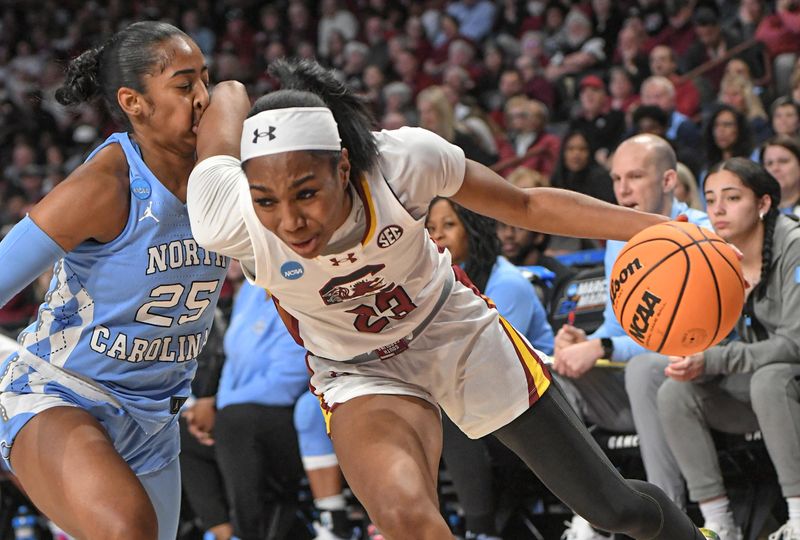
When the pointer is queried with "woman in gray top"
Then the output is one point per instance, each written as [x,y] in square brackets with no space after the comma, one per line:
[751,383]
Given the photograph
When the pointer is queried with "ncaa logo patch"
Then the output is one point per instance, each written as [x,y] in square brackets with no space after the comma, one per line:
[389,235]
[292,270]
[141,188]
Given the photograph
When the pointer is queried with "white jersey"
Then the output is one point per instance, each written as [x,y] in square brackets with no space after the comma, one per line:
[379,291]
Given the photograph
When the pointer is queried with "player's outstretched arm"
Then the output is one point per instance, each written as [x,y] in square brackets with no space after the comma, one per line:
[548,210]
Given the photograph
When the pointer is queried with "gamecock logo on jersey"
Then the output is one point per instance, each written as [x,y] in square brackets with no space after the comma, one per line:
[389,235]
[362,282]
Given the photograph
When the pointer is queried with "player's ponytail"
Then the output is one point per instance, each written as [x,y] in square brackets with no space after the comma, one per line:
[81,81]
[304,83]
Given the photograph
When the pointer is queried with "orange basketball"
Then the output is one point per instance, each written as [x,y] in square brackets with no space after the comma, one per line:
[677,288]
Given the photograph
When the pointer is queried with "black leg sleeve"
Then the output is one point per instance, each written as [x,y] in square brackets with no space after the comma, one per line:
[554,443]
[470,468]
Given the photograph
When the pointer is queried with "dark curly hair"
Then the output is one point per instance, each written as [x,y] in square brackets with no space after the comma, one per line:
[483,246]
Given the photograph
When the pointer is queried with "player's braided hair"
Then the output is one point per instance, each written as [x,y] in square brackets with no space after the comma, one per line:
[122,61]
[304,83]
[756,178]
[482,244]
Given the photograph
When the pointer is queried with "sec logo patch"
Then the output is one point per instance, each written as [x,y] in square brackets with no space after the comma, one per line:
[389,235]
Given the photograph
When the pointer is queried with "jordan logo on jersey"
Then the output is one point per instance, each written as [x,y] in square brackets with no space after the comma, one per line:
[148,213]
[351,258]
[258,134]
[362,282]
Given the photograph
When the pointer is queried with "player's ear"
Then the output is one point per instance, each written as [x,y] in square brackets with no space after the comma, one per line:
[130,101]
[344,167]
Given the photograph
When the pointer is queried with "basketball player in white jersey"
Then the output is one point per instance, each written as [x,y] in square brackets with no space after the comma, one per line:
[329,217]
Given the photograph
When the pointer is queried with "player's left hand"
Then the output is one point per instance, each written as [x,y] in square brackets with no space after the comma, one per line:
[686,368]
[575,360]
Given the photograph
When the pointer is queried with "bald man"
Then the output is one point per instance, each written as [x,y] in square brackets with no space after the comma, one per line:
[643,170]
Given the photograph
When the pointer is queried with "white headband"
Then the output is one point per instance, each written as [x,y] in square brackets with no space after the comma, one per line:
[285,130]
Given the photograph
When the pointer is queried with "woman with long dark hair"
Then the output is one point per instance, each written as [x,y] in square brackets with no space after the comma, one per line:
[751,383]
[578,171]
[328,216]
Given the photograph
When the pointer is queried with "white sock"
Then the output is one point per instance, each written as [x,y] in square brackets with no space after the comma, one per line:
[794,511]
[333,502]
[717,511]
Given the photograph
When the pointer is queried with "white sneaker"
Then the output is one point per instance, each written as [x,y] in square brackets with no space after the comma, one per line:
[787,532]
[725,531]
[579,529]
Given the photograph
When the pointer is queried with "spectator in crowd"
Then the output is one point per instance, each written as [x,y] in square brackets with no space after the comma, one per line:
[737,91]
[472,244]
[577,170]
[622,93]
[205,38]
[527,248]
[398,97]
[660,91]
[535,84]
[713,43]
[436,114]
[747,19]
[528,144]
[376,38]
[663,63]
[785,117]
[475,17]
[252,423]
[334,18]
[407,67]
[603,126]
[579,51]
[750,383]
[780,155]
[780,32]
[630,54]
[645,177]
[201,479]
[607,22]
[678,34]
[652,119]
[510,85]
[727,135]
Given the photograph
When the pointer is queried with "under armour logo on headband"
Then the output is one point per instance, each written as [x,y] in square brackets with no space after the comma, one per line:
[258,134]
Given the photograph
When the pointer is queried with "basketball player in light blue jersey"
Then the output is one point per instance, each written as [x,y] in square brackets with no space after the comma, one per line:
[89,402]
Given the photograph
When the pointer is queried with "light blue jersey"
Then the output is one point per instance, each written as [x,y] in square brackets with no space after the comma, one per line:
[131,315]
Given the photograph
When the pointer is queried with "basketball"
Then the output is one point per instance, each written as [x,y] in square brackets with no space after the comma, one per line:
[677,289]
